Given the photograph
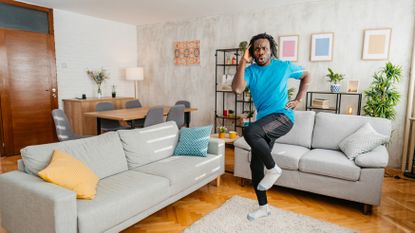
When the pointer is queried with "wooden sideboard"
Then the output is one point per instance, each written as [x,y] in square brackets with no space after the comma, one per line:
[75,109]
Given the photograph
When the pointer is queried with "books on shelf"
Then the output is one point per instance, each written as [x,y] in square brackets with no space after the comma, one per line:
[320,103]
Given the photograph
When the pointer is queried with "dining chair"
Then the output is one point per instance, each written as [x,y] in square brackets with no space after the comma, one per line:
[63,128]
[135,104]
[154,116]
[176,113]
[108,125]
[186,114]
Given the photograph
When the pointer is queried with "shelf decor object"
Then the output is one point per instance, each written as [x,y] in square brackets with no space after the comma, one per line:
[376,44]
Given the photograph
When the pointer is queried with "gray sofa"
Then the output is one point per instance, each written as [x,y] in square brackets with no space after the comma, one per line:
[311,160]
[138,176]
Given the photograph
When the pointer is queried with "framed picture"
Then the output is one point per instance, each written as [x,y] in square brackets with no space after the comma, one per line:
[187,52]
[322,46]
[288,48]
[376,44]
[353,86]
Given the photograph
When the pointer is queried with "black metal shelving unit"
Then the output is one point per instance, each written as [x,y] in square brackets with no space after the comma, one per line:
[222,68]
[337,107]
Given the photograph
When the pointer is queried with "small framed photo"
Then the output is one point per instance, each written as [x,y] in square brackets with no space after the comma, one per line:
[322,46]
[376,44]
[353,86]
[288,48]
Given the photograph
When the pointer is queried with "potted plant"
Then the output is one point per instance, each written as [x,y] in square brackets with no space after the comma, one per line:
[99,77]
[291,93]
[382,96]
[242,46]
[222,131]
[334,79]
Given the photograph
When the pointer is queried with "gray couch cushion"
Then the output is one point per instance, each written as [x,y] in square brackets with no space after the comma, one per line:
[330,129]
[183,171]
[301,132]
[103,154]
[120,197]
[288,156]
[377,158]
[146,145]
[362,141]
[329,163]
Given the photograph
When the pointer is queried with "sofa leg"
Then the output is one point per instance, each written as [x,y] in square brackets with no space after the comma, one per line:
[218,181]
[367,209]
[242,182]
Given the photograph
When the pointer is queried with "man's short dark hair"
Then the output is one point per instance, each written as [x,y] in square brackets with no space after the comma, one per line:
[272,44]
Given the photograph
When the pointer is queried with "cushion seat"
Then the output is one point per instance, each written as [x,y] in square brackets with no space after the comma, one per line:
[118,198]
[329,163]
[191,168]
[288,156]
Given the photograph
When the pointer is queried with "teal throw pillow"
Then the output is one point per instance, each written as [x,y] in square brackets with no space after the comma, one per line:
[193,141]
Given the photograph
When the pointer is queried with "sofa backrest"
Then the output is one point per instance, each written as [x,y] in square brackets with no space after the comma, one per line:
[330,129]
[103,154]
[149,144]
[302,130]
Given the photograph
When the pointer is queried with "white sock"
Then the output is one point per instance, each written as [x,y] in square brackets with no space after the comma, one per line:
[271,176]
[262,211]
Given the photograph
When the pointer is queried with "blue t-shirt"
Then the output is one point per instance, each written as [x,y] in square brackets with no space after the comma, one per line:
[268,86]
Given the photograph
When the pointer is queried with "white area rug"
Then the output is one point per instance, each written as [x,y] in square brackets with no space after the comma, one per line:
[231,217]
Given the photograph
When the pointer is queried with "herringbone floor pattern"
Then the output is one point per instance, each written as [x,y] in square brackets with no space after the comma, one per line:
[395,214]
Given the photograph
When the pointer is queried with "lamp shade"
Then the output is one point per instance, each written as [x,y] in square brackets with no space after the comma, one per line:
[134,73]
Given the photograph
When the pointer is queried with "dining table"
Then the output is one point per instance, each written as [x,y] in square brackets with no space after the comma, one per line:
[128,115]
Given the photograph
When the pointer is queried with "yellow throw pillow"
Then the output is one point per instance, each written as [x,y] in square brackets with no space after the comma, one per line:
[68,172]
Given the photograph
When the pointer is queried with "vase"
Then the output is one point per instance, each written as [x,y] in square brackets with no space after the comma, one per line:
[99,92]
[221,135]
[335,88]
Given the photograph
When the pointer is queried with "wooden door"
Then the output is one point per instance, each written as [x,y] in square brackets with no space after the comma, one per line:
[28,89]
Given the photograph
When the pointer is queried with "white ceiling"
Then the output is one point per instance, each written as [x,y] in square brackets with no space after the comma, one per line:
[141,12]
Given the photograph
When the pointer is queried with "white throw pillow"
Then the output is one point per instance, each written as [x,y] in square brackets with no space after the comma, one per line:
[363,140]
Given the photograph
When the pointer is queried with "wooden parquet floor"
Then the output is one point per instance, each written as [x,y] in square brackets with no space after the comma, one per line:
[395,214]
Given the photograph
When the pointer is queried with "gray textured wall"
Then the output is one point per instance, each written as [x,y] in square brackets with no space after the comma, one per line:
[165,82]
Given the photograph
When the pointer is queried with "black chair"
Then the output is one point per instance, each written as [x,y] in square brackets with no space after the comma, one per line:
[135,104]
[108,125]
[176,113]
[63,128]
[186,114]
[154,116]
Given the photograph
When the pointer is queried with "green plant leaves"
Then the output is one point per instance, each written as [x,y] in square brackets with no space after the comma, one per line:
[382,96]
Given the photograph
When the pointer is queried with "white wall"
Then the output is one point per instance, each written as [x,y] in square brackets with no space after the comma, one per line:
[165,82]
[84,42]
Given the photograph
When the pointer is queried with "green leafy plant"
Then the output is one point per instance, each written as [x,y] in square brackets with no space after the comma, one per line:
[222,129]
[98,76]
[243,45]
[291,93]
[382,95]
[333,77]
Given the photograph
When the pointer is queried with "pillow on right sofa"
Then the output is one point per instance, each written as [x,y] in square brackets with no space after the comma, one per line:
[363,140]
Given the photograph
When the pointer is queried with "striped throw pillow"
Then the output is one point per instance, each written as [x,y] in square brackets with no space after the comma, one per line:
[193,141]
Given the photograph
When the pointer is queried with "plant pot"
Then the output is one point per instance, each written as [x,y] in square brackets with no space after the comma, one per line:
[221,135]
[335,88]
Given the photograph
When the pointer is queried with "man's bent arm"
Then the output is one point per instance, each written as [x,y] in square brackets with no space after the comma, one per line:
[305,81]
[238,82]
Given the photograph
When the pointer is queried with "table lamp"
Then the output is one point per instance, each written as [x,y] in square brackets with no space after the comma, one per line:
[136,74]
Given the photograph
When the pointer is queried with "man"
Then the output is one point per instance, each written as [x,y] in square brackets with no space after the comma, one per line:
[267,80]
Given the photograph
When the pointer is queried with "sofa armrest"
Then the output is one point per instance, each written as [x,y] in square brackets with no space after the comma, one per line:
[29,204]
[377,158]
[216,146]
